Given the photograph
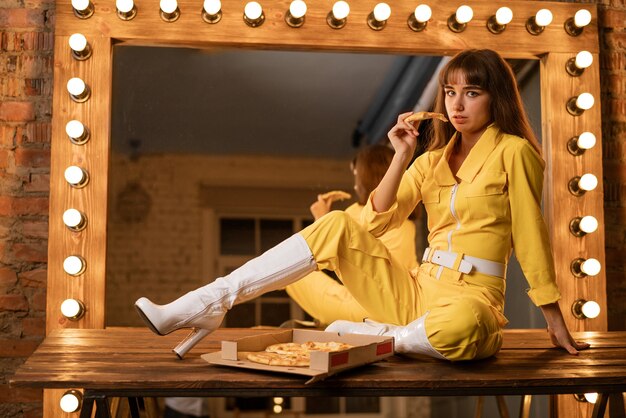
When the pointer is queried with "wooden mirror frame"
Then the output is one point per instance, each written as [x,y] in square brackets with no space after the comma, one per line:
[553,48]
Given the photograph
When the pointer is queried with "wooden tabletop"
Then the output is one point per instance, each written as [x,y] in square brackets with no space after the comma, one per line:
[135,362]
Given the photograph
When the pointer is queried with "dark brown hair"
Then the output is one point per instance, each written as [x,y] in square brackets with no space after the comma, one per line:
[484,68]
[371,164]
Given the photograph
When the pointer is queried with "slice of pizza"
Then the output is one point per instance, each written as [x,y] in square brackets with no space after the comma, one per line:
[335,195]
[329,346]
[419,116]
[276,359]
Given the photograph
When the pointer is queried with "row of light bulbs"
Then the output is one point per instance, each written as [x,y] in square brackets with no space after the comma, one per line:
[338,16]
[579,185]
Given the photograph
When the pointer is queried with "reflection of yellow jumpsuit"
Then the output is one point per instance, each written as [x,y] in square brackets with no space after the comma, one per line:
[495,204]
[327,301]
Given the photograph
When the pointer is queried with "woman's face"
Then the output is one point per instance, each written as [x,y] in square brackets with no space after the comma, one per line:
[468,107]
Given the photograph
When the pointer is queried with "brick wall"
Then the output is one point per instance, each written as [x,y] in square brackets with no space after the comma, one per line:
[26,41]
[26,45]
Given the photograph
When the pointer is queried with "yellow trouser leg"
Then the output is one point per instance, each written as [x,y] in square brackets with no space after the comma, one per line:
[325,299]
[380,284]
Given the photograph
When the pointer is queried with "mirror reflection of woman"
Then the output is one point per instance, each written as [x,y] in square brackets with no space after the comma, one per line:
[481,184]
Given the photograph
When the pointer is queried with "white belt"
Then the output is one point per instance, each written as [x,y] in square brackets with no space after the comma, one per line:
[467,263]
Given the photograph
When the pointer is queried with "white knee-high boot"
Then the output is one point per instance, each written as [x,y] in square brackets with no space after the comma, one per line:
[409,339]
[204,309]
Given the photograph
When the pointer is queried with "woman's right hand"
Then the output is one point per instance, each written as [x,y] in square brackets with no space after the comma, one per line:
[403,136]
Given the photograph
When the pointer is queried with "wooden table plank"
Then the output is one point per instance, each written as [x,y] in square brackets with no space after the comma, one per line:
[134,361]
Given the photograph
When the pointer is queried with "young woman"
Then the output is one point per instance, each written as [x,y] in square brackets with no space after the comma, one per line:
[318,294]
[480,182]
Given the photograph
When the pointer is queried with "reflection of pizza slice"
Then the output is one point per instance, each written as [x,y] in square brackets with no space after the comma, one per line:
[419,116]
[335,195]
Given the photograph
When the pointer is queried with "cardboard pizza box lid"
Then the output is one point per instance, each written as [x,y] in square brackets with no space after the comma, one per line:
[367,349]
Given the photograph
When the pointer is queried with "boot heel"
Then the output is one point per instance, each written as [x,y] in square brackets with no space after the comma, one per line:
[190,340]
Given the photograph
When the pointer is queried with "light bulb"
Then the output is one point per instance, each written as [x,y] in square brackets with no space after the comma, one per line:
[72,309]
[464,14]
[277,409]
[382,11]
[76,86]
[591,267]
[124,6]
[78,42]
[168,6]
[71,401]
[585,101]
[543,17]
[580,226]
[582,18]
[82,8]
[591,397]
[78,90]
[278,400]
[591,309]
[586,140]
[583,59]
[504,15]
[341,10]
[423,13]
[588,224]
[75,129]
[74,265]
[212,7]
[76,176]
[588,182]
[297,8]
[253,10]
[74,220]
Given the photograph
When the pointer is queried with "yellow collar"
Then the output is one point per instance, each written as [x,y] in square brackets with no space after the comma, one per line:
[473,162]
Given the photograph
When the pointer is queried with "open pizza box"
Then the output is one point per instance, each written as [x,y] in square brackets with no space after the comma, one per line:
[366,349]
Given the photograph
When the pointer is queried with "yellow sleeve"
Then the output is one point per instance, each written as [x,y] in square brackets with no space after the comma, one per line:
[530,234]
[409,195]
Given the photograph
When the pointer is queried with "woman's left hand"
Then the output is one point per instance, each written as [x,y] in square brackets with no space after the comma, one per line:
[559,334]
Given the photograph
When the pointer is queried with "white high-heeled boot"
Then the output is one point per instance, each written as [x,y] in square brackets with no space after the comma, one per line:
[409,339]
[204,309]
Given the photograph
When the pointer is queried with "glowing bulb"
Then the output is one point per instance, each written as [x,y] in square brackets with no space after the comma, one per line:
[297,8]
[504,15]
[543,17]
[582,18]
[583,59]
[278,400]
[124,6]
[341,10]
[75,129]
[73,219]
[591,397]
[586,140]
[590,309]
[588,182]
[80,5]
[464,14]
[75,176]
[588,224]
[168,6]
[72,309]
[78,42]
[212,7]
[253,10]
[591,267]
[423,13]
[74,265]
[585,101]
[71,401]
[76,86]
[382,11]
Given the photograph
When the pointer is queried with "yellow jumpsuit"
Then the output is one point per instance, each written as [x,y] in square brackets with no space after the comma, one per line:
[495,205]
[327,301]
